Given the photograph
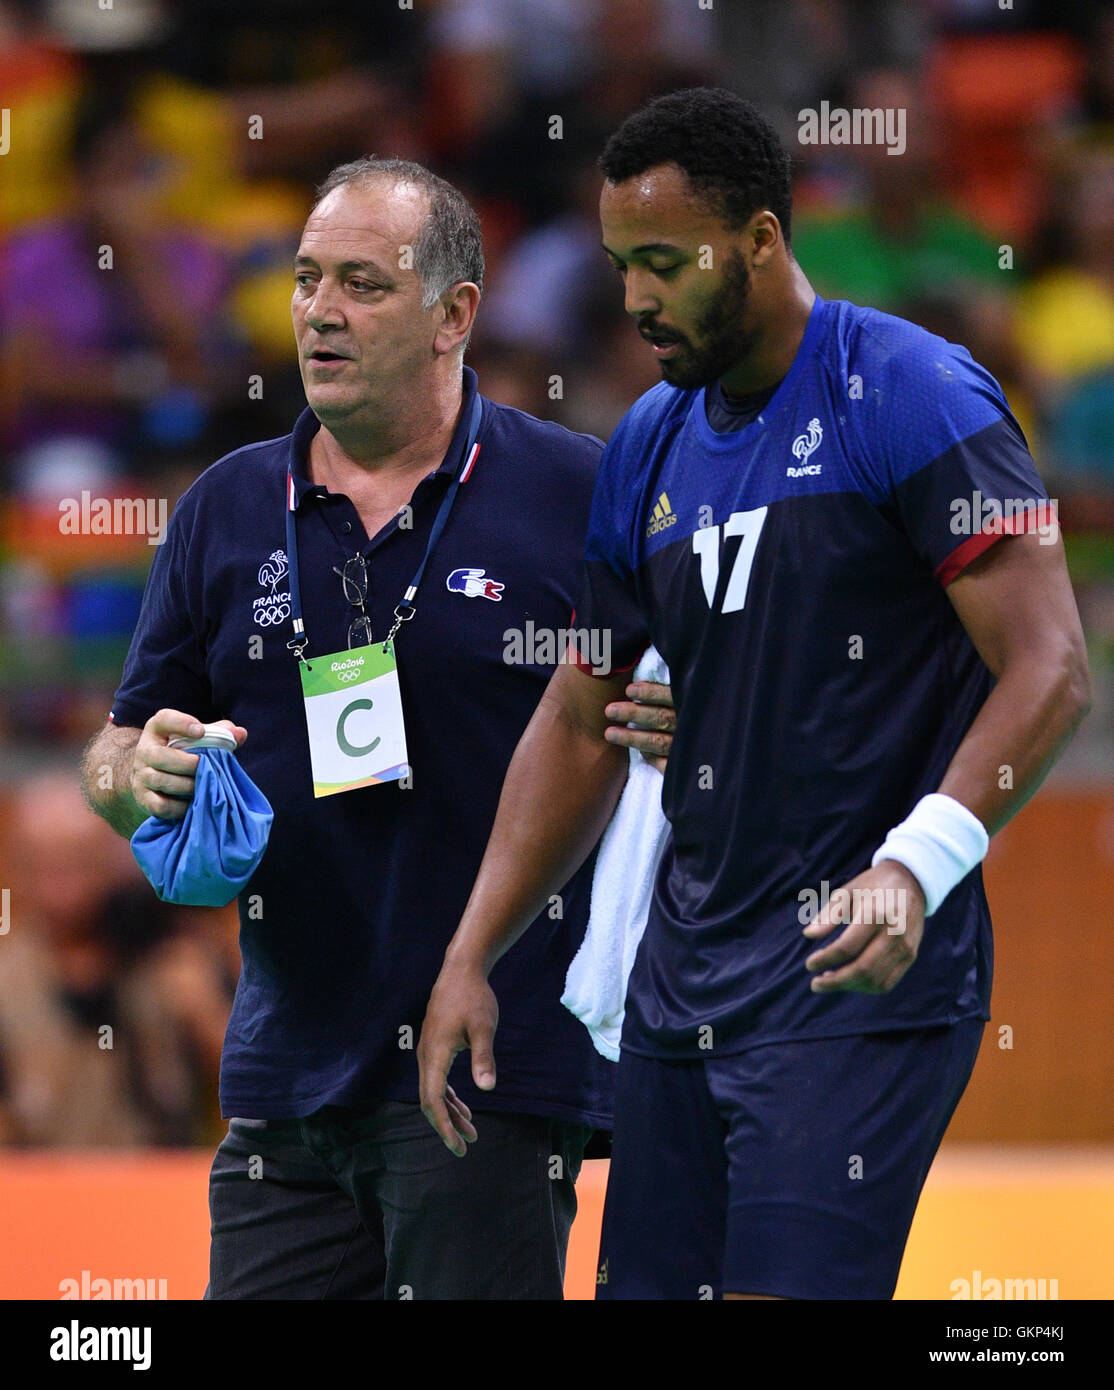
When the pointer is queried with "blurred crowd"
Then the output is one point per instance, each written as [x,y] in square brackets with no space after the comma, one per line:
[159,158]
[112,1004]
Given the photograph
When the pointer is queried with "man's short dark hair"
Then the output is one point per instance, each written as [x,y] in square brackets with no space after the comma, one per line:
[449,246]
[728,150]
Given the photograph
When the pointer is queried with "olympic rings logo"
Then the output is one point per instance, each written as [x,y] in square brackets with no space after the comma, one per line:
[347,677]
[269,617]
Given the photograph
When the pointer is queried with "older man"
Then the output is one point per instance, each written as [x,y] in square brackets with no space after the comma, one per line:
[409,529]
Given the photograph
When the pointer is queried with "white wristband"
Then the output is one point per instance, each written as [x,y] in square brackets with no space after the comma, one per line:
[939,842]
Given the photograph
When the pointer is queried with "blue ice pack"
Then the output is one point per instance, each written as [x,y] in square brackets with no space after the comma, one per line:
[205,859]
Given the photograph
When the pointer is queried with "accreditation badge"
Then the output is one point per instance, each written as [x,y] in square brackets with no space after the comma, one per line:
[354,718]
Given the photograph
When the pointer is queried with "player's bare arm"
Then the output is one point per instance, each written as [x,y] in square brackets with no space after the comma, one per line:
[1019,611]
[560,791]
[1016,604]
[129,774]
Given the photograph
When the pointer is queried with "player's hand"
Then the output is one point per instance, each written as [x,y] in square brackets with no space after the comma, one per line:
[462,1012]
[882,915]
[163,778]
[650,707]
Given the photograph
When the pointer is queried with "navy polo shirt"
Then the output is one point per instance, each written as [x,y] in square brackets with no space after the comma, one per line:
[344,925]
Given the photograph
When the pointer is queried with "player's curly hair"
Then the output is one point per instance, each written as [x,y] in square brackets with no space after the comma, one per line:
[728,150]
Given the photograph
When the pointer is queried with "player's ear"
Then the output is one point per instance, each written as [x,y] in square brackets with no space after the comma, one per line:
[764,235]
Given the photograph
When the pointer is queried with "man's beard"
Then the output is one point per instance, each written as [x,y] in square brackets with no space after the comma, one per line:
[722,338]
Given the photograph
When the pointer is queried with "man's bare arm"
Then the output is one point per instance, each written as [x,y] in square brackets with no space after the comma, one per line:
[106,777]
[1016,603]
[129,774]
[1018,608]
[560,791]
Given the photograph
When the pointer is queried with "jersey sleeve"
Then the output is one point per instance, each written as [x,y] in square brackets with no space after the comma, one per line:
[955,464]
[608,622]
[165,666]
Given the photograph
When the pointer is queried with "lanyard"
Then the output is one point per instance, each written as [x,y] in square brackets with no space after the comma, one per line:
[405,610]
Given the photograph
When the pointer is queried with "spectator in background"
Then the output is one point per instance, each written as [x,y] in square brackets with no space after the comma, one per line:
[600,386]
[552,278]
[551,326]
[1096,104]
[899,237]
[243,127]
[548,44]
[112,314]
[1066,313]
[1081,444]
[502,69]
[40,81]
[785,54]
[90,950]
[1065,326]
[516,377]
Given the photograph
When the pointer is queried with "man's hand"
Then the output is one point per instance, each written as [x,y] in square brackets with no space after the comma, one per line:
[882,913]
[163,779]
[650,707]
[461,1013]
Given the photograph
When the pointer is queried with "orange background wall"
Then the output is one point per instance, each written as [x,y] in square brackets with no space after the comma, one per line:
[1031,1214]
[1009,1211]
[1050,883]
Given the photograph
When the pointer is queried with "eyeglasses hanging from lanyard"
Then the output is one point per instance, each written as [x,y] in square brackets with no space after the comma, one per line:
[353,578]
[405,609]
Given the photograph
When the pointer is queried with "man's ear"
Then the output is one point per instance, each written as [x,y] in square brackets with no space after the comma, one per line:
[458,304]
[765,236]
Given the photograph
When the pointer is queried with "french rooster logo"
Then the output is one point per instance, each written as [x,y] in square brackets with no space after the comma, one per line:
[273,569]
[807,444]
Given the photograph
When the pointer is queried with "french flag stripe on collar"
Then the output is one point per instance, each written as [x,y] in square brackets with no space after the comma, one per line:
[471,461]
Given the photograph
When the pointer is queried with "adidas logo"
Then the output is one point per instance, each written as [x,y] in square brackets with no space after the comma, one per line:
[663,516]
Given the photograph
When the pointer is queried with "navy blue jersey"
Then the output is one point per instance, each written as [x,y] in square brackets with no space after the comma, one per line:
[343,926]
[792,573]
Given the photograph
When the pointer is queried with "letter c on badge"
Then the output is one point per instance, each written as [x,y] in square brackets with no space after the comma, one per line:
[350,748]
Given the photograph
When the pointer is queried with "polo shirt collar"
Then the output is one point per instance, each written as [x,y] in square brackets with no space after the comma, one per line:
[308,424]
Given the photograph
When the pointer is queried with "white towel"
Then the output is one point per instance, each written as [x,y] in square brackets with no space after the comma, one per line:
[630,850]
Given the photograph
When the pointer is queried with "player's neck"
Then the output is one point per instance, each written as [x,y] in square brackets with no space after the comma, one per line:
[777,342]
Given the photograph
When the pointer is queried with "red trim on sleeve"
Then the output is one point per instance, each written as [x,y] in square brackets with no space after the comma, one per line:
[588,668]
[1030,520]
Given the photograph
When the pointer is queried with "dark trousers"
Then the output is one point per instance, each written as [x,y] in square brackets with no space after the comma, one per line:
[366,1202]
